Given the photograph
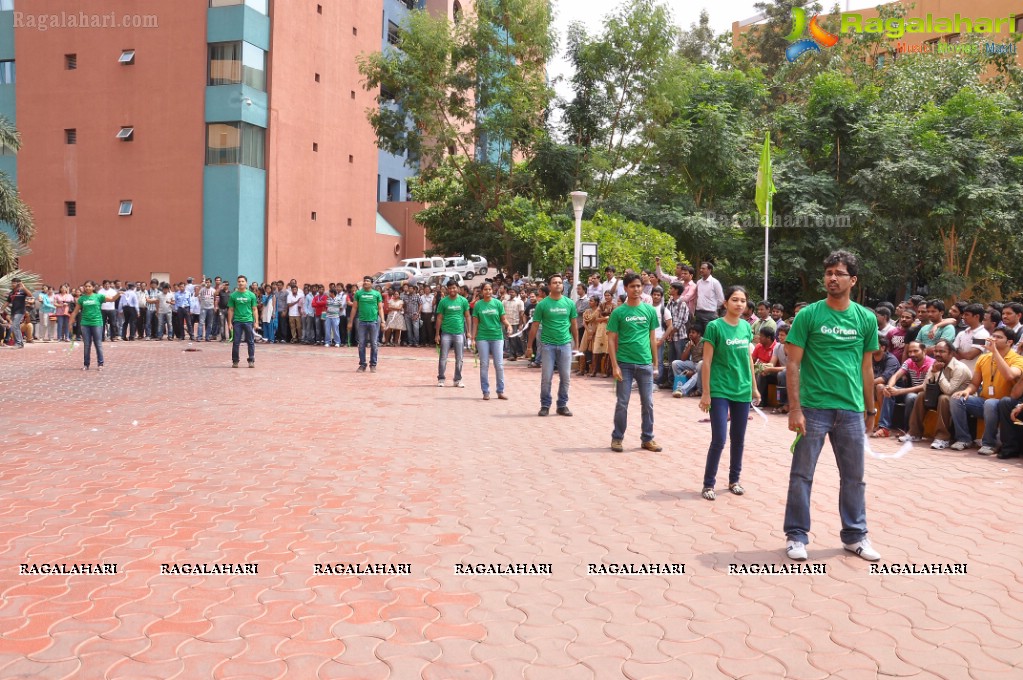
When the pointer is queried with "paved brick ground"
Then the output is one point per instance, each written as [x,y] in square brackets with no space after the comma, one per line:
[170,456]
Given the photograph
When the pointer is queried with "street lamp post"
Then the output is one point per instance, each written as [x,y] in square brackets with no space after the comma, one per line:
[578,202]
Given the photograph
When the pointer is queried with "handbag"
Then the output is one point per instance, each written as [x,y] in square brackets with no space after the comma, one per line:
[931,393]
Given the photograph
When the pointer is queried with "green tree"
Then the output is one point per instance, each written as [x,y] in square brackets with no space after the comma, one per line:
[13,212]
[468,100]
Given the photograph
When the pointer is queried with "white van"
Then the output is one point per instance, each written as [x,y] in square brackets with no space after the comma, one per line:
[462,266]
[425,266]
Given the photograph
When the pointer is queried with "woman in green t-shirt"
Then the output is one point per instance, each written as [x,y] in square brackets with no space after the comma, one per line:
[89,314]
[488,328]
[728,386]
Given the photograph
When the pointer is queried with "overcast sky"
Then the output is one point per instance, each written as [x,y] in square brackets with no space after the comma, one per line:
[592,14]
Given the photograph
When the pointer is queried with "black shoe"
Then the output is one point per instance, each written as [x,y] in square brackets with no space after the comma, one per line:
[1003,454]
[543,411]
[252,364]
[234,364]
[563,411]
[362,369]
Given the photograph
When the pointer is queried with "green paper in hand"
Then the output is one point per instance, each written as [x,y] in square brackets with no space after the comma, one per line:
[792,449]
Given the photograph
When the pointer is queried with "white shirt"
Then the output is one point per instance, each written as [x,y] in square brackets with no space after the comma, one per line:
[971,338]
[709,295]
[107,292]
[295,310]
[426,304]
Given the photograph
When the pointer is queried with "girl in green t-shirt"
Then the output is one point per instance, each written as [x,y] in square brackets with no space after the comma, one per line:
[728,388]
[89,314]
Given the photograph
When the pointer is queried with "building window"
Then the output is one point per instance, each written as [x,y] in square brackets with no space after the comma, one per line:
[127,57]
[953,38]
[71,136]
[235,144]
[6,5]
[70,208]
[393,189]
[7,72]
[316,77]
[126,134]
[411,4]
[353,94]
[313,216]
[393,34]
[355,31]
[232,63]
[351,158]
[70,62]
[258,5]
[316,147]
[349,221]
[456,12]
[125,209]
[319,9]
[385,94]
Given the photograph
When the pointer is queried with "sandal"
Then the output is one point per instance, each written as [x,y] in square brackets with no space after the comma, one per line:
[881,433]
[709,494]
[736,488]
[781,410]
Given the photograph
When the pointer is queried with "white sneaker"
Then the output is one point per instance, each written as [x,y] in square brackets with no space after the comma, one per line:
[939,444]
[677,394]
[440,383]
[960,446]
[796,550]
[986,450]
[458,383]
[910,438]
[864,550]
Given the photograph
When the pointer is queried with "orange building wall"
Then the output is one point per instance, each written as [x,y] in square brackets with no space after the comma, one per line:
[161,170]
[401,216]
[302,112]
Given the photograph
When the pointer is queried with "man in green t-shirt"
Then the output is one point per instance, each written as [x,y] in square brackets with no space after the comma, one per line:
[830,386]
[241,314]
[452,318]
[368,308]
[558,317]
[632,346]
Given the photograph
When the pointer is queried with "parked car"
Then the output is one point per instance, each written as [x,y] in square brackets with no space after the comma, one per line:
[460,265]
[425,265]
[441,280]
[396,275]
[480,264]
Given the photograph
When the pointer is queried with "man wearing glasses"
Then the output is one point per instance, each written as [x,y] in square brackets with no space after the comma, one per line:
[830,390]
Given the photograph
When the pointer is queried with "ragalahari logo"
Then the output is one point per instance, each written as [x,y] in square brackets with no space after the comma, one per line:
[800,45]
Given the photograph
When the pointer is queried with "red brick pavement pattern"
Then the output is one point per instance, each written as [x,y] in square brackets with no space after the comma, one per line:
[170,456]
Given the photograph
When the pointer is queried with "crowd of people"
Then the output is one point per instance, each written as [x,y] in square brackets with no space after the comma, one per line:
[838,369]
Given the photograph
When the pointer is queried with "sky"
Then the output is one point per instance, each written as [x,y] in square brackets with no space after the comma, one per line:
[593,12]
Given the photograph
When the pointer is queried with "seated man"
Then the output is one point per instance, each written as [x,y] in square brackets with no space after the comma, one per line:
[773,371]
[885,366]
[994,377]
[690,364]
[1010,426]
[916,367]
[951,375]
[932,330]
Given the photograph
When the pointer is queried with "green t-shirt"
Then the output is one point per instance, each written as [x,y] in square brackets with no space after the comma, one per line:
[633,326]
[244,305]
[369,302]
[944,333]
[731,376]
[489,314]
[556,318]
[92,314]
[830,375]
[454,311]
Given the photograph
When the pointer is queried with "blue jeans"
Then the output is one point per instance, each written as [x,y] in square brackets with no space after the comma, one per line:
[643,374]
[369,331]
[888,409]
[333,331]
[847,433]
[677,367]
[250,339]
[555,357]
[206,317]
[488,349]
[975,406]
[412,329]
[16,320]
[93,335]
[720,408]
[447,340]
[62,328]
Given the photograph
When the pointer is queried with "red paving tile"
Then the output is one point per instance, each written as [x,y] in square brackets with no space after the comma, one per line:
[168,457]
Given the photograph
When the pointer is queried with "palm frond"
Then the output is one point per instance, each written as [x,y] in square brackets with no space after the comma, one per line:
[9,135]
[31,280]
[14,211]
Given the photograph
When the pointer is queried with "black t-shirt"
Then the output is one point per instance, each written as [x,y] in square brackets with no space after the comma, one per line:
[223,299]
[17,301]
